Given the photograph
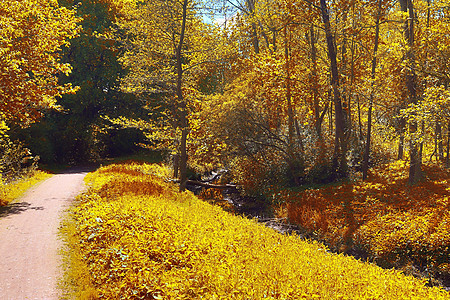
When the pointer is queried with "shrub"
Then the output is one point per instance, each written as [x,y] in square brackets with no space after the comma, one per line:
[15,160]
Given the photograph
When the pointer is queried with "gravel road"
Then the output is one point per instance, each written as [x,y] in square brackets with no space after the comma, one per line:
[29,244]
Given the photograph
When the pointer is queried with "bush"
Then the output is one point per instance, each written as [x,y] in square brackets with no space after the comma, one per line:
[15,160]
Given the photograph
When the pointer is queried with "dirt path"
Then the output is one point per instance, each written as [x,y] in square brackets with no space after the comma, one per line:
[29,259]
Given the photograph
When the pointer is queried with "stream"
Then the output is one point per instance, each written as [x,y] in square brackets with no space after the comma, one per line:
[232,200]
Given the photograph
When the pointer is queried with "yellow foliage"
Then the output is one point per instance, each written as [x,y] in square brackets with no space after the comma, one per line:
[31,37]
[168,245]
[13,190]
[395,223]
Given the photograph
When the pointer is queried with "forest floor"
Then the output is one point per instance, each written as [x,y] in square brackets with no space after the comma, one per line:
[29,245]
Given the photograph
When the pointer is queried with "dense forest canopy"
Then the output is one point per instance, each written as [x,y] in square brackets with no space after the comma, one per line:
[279,92]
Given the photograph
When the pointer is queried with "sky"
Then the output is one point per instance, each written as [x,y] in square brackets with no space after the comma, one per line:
[223,10]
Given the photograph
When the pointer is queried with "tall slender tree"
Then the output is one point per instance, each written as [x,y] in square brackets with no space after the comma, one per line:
[365,163]
[341,130]
[168,50]
[415,168]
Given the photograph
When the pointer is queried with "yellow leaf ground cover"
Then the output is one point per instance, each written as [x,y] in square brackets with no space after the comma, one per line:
[133,236]
[13,190]
[396,224]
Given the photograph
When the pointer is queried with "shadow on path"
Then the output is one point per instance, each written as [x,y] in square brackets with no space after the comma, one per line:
[80,169]
[17,208]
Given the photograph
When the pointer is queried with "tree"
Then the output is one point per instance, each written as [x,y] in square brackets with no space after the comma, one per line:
[168,49]
[415,169]
[183,122]
[432,57]
[31,37]
[77,133]
[341,136]
[96,70]
[365,164]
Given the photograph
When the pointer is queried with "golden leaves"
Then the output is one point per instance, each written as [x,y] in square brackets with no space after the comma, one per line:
[32,34]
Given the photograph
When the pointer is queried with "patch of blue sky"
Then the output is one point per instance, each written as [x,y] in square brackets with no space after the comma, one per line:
[219,12]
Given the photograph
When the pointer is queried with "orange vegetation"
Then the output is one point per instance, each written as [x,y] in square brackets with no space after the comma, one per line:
[393,223]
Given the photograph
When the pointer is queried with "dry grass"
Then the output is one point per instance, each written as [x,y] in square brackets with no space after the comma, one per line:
[13,190]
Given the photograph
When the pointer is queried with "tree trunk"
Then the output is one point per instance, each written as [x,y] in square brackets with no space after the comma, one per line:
[401,141]
[299,136]
[365,165]
[352,67]
[176,165]
[314,85]
[339,159]
[415,167]
[439,146]
[330,115]
[401,146]
[295,168]
[448,145]
[183,159]
[250,12]
[361,138]
[421,142]
[287,84]
[345,95]
[255,39]
[182,102]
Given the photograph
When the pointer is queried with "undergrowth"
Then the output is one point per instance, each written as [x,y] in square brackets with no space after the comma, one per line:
[13,190]
[393,223]
[133,236]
